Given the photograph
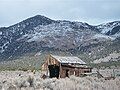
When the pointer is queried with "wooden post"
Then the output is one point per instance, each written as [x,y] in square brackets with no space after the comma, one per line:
[60,71]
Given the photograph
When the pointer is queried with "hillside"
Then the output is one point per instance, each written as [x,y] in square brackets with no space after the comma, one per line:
[41,34]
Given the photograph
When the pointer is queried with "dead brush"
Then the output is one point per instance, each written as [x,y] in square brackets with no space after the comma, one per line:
[30,80]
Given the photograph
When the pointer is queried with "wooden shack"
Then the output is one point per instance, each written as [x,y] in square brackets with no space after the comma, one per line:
[64,66]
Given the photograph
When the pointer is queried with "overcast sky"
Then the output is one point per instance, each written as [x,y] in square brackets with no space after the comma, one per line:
[91,11]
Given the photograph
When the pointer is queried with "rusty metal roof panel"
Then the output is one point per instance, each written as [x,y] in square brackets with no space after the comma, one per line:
[68,59]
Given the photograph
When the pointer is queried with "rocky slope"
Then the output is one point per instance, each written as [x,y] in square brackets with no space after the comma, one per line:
[41,34]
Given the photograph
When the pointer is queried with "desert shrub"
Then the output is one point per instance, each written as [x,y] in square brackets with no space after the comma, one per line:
[48,84]
[21,83]
[25,82]
[0,87]
[30,80]
[11,87]
[38,85]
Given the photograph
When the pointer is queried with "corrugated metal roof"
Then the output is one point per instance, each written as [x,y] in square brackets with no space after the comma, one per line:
[68,59]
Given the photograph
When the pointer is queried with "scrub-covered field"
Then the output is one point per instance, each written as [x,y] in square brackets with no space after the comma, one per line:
[19,80]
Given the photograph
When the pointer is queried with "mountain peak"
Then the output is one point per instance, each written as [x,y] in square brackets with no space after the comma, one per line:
[39,20]
[39,17]
[31,23]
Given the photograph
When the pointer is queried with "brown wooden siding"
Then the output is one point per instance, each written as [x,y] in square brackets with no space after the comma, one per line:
[73,70]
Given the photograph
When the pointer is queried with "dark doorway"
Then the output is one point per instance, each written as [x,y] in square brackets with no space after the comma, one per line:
[67,73]
[54,71]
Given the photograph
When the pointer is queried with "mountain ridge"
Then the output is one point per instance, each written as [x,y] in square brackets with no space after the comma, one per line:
[40,33]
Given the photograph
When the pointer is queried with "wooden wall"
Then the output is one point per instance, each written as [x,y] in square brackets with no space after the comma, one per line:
[62,74]
[73,71]
[49,61]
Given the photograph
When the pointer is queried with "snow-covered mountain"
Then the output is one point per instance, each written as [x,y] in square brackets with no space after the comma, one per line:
[40,33]
[111,28]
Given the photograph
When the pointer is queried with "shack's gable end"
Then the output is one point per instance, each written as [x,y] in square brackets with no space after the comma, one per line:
[51,61]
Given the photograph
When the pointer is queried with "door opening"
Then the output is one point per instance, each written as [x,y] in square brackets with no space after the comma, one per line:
[54,71]
[67,73]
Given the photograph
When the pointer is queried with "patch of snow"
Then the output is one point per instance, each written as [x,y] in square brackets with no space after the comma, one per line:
[81,24]
[105,30]
[38,54]
[1,51]
[4,47]
[18,25]
[51,30]
[111,57]
[97,36]
[34,38]
[0,33]
[24,36]
[21,32]
[116,35]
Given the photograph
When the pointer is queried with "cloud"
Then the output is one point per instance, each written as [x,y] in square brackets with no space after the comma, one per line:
[91,11]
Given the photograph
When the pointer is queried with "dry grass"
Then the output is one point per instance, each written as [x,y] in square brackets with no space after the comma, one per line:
[19,80]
